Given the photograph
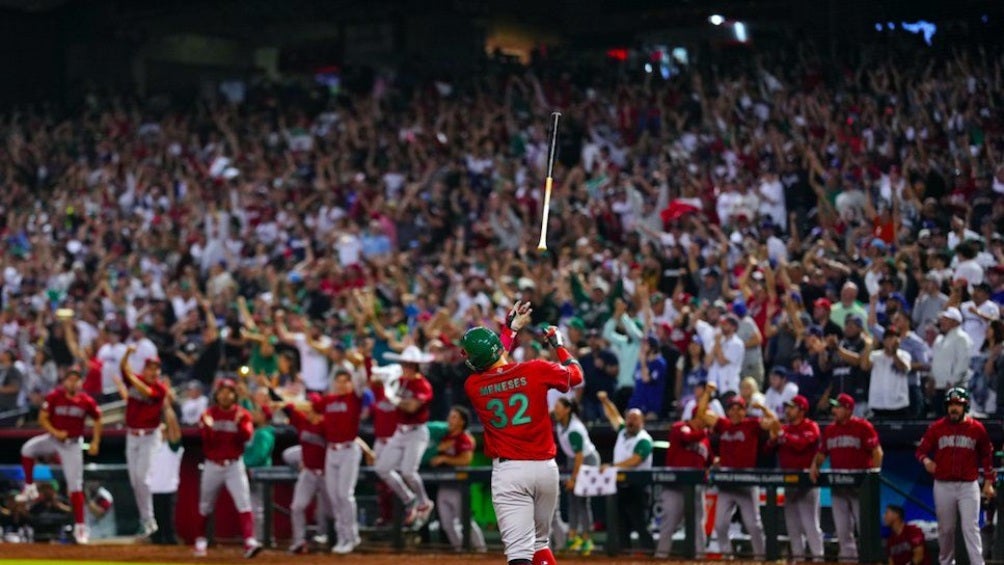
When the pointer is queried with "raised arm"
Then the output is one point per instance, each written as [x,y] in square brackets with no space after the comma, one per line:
[610,411]
[136,382]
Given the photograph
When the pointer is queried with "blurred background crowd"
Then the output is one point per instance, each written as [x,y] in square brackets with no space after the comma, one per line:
[776,221]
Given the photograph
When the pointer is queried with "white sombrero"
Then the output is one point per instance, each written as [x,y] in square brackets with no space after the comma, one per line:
[411,354]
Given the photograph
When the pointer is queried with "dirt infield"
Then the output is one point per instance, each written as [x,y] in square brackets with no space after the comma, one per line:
[232,554]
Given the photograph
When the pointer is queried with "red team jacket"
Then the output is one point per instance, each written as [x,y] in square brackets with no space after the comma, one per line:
[419,389]
[231,429]
[738,444]
[797,445]
[384,412]
[850,445]
[68,413]
[460,443]
[900,546]
[689,447]
[341,416]
[311,438]
[511,403]
[959,450]
[143,413]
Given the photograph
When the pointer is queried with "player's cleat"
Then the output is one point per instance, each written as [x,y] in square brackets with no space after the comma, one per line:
[81,535]
[299,548]
[321,539]
[252,547]
[28,494]
[149,528]
[346,547]
[200,547]
[410,516]
[423,513]
[574,544]
[587,547]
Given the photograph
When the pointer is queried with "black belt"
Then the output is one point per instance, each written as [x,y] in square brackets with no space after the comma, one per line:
[502,459]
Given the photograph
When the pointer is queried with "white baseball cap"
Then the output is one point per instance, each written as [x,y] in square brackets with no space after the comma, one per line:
[952,314]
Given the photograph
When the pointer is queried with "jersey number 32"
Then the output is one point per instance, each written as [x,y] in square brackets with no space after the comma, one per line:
[518,402]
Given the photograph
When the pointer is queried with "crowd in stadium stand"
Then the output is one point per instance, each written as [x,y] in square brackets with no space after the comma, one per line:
[775,223]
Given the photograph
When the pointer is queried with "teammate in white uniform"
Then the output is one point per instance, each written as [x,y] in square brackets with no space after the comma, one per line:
[633,450]
[573,437]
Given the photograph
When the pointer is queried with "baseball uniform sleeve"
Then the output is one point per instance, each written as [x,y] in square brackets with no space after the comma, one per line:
[822,442]
[296,418]
[508,339]
[686,434]
[575,438]
[423,391]
[643,448]
[869,439]
[245,427]
[93,410]
[927,442]
[803,440]
[985,453]
[464,443]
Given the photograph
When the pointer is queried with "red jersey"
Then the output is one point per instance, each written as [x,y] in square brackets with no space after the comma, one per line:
[457,444]
[511,403]
[738,444]
[68,413]
[341,416]
[143,412]
[959,450]
[688,447]
[900,546]
[419,389]
[850,445]
[797,445]
[384,412]
[311,438]
[225,439]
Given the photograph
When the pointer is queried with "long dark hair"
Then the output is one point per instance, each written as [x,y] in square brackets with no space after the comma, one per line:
[571,404]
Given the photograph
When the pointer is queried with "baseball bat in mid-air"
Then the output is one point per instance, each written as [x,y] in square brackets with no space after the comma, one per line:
[551,151]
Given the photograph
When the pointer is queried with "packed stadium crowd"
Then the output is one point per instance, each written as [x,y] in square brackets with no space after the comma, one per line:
[793,233]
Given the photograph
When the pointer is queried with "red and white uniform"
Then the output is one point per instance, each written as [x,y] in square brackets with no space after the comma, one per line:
[223,444]
[797,446]
[511,403]
[849,446]
[310,482]
[900,546]
[340,427]
[419,389]
[384,415]
[738,448]
[399,459]
[449,499]
[69,414]
[143,414]
[959,451]
[689,448]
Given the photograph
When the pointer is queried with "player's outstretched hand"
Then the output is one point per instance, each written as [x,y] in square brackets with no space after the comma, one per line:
[988,490]
[519,315]
[601,395]
[94,449]
[554,337]
[206,420]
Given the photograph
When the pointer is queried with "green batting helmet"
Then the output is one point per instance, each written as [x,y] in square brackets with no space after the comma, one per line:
[957,395]
[482,346]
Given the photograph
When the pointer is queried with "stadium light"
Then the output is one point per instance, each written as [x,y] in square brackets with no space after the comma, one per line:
[716,20]
[740,30]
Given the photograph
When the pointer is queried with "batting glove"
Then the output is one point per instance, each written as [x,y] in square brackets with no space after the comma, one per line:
[554,337]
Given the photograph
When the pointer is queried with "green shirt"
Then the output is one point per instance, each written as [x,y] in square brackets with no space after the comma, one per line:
[437,431]
[258,452]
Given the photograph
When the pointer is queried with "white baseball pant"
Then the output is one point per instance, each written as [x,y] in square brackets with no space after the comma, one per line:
[139,454]
[801,518]
[398,463]
[215,476]
[449,503]
[341,472]
[962,497]
[672,500]
[71,457]
[309,486]
[747,499]
[846,512]
[293,456]
[525,495]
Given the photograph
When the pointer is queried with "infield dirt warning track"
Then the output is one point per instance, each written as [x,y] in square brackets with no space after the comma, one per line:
[20,553]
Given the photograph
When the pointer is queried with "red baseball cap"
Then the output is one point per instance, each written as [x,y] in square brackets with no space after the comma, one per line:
[823,303]
[152,361]
[735,401]
[799,401]
[844,400]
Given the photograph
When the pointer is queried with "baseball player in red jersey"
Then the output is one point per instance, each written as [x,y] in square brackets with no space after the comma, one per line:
[961,447]
[226,428]
[689,448]
[738,448]
[852,445]
[399,460]
[384,418]
[906,543]
[310,482]
[797,443]
[511,402]
[144,408]
[62,417]
[456,449]
[340,413]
